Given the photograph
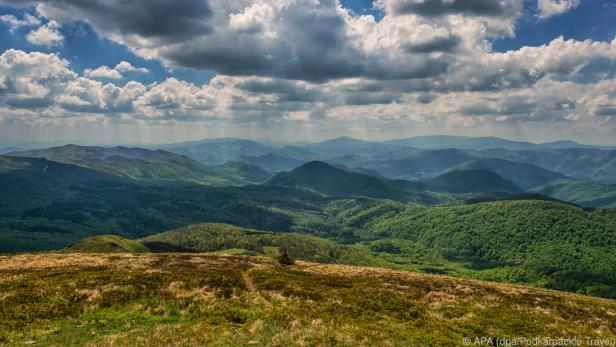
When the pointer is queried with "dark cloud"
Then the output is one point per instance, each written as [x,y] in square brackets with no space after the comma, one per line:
[152,19]
[445,44]
[28,103]
[431,8]
[370,99]
[286,91]
[605,110]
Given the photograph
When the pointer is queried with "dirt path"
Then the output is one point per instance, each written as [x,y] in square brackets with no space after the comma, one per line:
[248,282]
[250,286]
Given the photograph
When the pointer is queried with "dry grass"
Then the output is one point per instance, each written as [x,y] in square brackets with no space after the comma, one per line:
[222,300]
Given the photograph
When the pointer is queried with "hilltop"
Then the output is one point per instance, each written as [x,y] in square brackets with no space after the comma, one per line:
[197,299]
[336,182]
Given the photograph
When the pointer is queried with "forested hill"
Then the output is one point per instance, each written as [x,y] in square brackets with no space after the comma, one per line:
[548,243]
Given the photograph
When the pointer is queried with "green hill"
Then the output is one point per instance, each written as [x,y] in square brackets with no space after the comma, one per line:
[472,181]
[211,237]
[584,193]
[335,182]
[137,164]
[523,175]
[106,244]
[222,300]
[272,162]
[218,151]
[544,243]
[240,172]
[579,163]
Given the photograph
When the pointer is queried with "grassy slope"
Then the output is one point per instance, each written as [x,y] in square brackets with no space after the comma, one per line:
[107,244]
[194,299]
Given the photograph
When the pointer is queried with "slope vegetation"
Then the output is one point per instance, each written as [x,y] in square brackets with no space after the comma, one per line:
[196,300]
[545,243]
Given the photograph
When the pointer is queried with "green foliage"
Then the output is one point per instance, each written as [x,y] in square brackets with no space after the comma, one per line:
[106,244]
[217,237]
[537,239]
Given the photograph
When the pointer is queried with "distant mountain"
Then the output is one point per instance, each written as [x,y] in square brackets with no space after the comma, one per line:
[581,163]
[478,143]
[271,162]
[335,182]
[523,175]
[218,151]
[420,164]
[348,146]
[472,181]
[241,172]
[28,183]
[136,164]
[583,193]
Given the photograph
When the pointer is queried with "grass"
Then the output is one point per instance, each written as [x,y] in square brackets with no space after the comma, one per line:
[107,244]
[225,300]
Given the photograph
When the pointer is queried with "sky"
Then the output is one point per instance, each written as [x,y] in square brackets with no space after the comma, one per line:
[161,71]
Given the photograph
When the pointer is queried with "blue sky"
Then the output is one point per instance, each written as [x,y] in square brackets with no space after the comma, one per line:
[262,70]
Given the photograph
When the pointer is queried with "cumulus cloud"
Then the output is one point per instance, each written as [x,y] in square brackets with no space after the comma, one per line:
[426,63]
[113,73]
[549,8]
[46,35]
[125,66]
[103,72]
[14,23]
[491,8]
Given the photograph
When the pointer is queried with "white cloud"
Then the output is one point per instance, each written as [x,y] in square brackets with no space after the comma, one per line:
[549,8]
[46,35]
[103,72]
[125,66]
[312,63]
[15,23]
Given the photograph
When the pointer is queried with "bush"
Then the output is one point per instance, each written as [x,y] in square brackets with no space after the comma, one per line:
[284,258]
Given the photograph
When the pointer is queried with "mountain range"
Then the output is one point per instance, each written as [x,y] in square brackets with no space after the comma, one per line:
[442,210]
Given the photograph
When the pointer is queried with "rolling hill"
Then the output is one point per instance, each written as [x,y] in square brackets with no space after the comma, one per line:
[545,243]
[418,165]
[584,193]
[140,164]
[525,176]
[197,299]
[217,151]
[106,244]
[335,182]
[472,181]
[272,162]
[479,143]
[579,163]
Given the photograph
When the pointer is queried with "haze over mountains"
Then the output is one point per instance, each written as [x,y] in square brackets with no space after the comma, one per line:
[558,169]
